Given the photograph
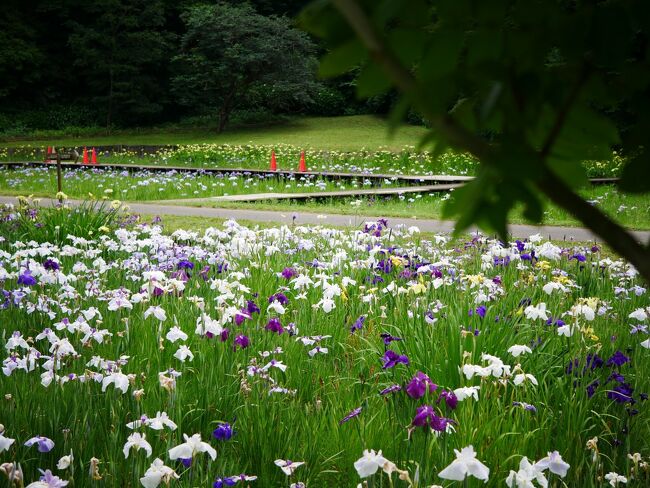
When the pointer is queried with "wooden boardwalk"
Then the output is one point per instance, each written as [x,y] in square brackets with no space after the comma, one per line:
[255,197]
[248,171]
[375,178]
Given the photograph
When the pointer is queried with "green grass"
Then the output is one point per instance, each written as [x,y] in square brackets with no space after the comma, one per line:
[336,133]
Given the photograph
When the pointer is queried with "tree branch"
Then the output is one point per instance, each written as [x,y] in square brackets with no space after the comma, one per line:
[612,233]
[564,113]
[406,82]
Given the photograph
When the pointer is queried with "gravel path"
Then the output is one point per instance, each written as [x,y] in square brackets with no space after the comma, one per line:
[425,225]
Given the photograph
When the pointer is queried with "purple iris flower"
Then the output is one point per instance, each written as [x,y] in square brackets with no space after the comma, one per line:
[358,324]
[204,272]
[292,330]
[288,273]
[224,334]
[391,358]
[617,377]
[185,264]
[181,275]
[274,325]
[579,257]
[419,385]
[480,311]
[390,389]
[51,265]
[26,278]
[242,341]
[594,361]
[221,482]
[377,279]
[187,462]
[280,297]
[618,359]
[449,397]
[635,329]
[385,266]
[44,444]
[426,416]
[351,415]
[422,415]
[621,393]
[387,338]
[52,481]
[525,406]
[591,388]
[406,274]
[241,317]
[223,432]
[251,307]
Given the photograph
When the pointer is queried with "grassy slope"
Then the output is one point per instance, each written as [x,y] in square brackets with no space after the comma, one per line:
[338,133]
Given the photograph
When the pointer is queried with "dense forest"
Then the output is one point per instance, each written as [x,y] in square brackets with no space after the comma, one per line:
[125,63]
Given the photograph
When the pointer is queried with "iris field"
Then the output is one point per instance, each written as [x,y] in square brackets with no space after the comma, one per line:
[291,356]
[147,185]
[406,161]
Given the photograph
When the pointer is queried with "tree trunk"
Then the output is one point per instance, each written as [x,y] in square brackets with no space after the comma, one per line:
[226,107]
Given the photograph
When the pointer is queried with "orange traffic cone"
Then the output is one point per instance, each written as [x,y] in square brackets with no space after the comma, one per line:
[274,163]
[47,154]
[93,158]
[85,159]
[303,166]
[53,155]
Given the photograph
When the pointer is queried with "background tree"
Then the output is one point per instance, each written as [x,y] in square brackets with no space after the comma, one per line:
[229,53]
[120,50]
[536,74]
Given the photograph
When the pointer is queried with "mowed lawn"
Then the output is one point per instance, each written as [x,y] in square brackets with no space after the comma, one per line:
[336,133]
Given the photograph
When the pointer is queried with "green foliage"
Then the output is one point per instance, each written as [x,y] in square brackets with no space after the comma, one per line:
[232,56]
[19,54]
[31,222]
[120,49]
[537,76]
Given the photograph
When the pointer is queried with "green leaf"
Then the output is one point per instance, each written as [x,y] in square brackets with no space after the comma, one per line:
[441,54]
[407,44]
[397,114]
[372,81]
[573,173]
[430,140]
[585,135]
[484,46]
[463,112]
[342,58]
[635,174]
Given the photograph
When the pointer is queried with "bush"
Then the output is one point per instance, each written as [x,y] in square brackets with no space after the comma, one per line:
[328,101]
[52,117]
[28,221]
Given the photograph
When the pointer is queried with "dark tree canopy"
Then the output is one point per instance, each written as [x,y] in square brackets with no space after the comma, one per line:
[538,76]
[121,49]
[230,52]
